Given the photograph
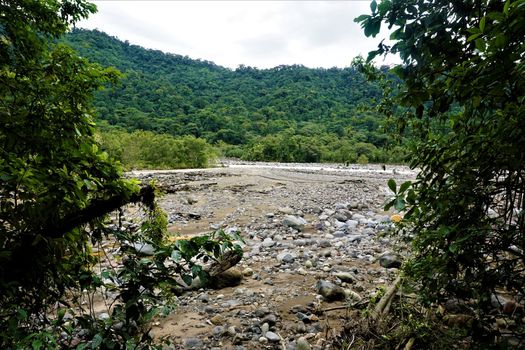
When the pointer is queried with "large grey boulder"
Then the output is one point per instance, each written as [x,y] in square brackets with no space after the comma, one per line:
[295,222]
[330,291]
[390,260]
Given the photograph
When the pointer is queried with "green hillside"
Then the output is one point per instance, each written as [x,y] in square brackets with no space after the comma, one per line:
[287,113]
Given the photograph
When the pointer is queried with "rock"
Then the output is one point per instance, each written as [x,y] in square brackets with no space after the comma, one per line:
[498,300]
[350,294]
[295,222]
[340,217]
[191,200]
[271,319]
[358,217]
[193,343]
[286,210]
[247,272]
[218,331]
[232,332]
[351,224]
[345,276]
[265,327]
[229,278]
[302,344]
[204,297]
[509,307]
[272,337]
[301,271]
[286,258]
[194,215]
[300,327]
[143,248]
[103,316]
[461,320]
[330,291]
[263,340]
[324,243]
[355,238]
[268,242]
[260,312]
[217,319]
[390,260]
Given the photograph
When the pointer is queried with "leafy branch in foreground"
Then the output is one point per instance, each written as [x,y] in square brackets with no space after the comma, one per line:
[56,190]
[464,73]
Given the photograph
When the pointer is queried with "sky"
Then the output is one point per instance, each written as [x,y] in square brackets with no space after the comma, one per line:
[261,34]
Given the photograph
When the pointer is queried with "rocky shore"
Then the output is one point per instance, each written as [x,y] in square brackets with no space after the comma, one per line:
[315,240]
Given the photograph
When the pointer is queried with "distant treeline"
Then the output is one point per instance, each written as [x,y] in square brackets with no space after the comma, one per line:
[287,113]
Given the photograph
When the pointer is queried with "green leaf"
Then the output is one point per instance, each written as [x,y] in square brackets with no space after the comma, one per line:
[361,18]
[372,27]
[175,255]
[405,186]
[392,185]
[506,7]
[473,36]
[36,344]
[399,204]
[482,24]
[187,279]
[500,41]
[373,6]
[389,205]
[384,6]
[97,341]
[481,45]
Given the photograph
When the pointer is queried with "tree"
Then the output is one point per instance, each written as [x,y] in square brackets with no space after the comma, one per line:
[464,70]
[56,187]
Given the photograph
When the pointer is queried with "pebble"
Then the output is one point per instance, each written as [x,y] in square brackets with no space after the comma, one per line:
[273,337]
[218,331]
[271,319]
[193,343]
[217,319]
[268,242]
[302,344]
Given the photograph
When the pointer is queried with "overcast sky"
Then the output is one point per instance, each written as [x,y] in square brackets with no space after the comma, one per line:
[261,34]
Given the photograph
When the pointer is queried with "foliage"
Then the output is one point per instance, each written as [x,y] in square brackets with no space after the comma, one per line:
[56,185]
[464,73]
[407,323]
[146,150]
[245,108]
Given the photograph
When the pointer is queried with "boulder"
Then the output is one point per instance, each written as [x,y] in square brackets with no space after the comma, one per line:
[330,291]
[390,260]
[295,222]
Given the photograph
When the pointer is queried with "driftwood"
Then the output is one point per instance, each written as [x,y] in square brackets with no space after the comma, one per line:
[220,274]
[383,306]
[410,344]
[229,259]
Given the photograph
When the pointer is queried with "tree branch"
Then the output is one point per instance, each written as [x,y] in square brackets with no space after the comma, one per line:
[97,208]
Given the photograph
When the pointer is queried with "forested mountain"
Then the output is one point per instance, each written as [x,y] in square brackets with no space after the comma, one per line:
[287,113]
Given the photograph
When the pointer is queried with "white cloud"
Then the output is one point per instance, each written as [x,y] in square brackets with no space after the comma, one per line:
[262,34]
